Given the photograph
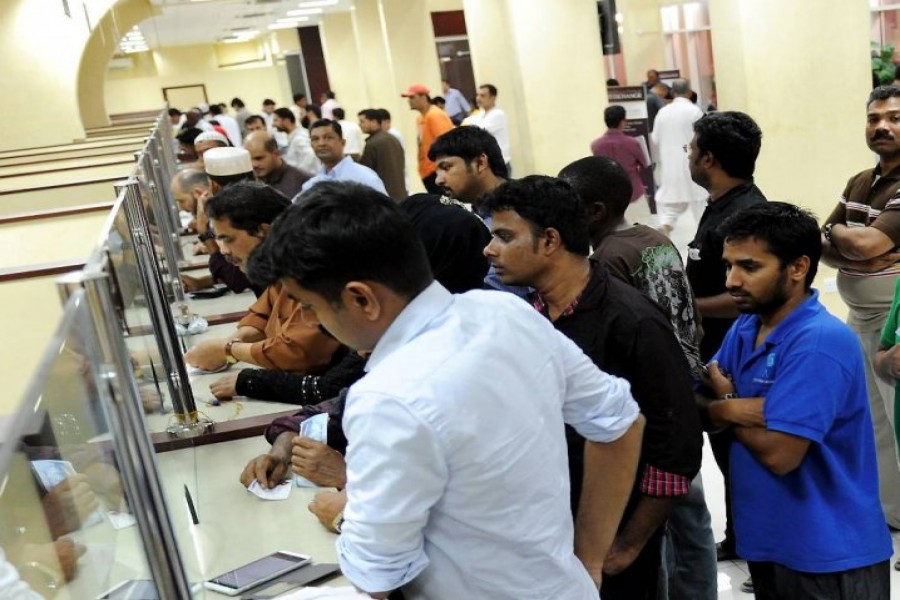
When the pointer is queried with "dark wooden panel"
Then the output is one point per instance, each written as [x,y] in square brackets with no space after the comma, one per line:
[447,23]
[57,267]
[314,59]
[221,432]
[56,212]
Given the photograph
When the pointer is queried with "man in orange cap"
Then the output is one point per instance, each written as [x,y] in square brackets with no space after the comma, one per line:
[431,123]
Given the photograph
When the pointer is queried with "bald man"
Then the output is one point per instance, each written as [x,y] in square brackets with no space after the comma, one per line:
[270,168]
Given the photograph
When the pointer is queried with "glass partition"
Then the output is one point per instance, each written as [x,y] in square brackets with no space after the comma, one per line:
[76,517]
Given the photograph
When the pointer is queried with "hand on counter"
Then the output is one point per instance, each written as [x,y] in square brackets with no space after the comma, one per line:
[225,387]
[327,506]
[68,504]
[208,355]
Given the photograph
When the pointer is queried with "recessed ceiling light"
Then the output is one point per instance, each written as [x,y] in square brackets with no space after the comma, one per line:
[291,25]
[314,3]
[304,11]
[293,20]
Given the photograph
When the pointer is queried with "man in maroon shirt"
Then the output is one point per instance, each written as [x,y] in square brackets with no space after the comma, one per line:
[622,148]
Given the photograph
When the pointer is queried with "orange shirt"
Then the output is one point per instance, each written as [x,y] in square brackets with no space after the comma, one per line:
[432,124]
[290,344]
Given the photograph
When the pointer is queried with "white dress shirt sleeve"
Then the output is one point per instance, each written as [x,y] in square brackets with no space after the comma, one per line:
[598,405]
[396,472]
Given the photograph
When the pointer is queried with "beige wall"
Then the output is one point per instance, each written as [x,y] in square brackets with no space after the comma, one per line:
[643,46]
[41,48]
[140,88]
[812,138]
[554,93]
[29,242]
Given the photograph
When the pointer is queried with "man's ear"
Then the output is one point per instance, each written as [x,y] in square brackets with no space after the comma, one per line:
[551,241]
[482,163]
[360,297]
[263,230]
[798,269]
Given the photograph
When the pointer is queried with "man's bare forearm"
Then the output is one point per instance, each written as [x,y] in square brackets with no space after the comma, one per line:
[609,471]
[720,306]
[648,516]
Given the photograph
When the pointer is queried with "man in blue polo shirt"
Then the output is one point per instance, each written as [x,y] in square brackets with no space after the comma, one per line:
[789,380]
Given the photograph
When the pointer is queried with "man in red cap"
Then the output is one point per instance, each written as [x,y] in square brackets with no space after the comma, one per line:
[431,123]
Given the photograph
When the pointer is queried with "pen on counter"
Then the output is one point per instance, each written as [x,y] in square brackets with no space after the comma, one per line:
[190,503]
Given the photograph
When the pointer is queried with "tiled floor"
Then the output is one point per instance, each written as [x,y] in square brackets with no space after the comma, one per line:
[731,573]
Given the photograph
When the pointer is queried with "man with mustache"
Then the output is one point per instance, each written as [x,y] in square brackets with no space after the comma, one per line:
[860,239]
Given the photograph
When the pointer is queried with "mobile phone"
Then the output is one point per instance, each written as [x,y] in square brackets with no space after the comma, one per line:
[259,571]
[132,589]
[210,292]
[294,580]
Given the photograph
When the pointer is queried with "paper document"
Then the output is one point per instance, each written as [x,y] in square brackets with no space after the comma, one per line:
[279,492]
[314,428]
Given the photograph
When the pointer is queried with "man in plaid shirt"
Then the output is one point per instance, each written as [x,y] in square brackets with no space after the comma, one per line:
[540,239]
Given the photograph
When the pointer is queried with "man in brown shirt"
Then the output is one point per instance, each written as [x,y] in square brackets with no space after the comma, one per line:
[860,239]
[273,334]
[269,167]
[383,154]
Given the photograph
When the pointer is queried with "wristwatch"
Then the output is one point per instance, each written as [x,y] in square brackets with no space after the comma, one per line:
[338,522]
[827,231]
[229,357]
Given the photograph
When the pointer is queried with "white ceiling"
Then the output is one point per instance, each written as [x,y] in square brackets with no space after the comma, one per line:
[185,22]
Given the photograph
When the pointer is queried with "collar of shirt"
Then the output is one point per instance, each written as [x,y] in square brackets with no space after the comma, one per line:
[540,305]
[275,175]
[411,321]
[750,327]
[722,203]
[338,168]
[892,174]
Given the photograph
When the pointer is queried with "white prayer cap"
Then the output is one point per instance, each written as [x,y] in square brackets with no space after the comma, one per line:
[223,162]
[211,136]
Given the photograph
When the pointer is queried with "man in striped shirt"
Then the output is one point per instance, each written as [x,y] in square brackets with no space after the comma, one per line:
[860,239]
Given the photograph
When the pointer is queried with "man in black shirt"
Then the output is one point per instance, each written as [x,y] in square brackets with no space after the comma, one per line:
[540,239]
[722,159]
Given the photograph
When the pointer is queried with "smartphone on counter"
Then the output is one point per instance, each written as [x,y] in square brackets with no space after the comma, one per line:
[238,581]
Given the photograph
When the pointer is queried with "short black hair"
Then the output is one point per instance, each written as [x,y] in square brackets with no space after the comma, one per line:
[733,138]
[226,181]
[297,97]
[237,103]
[314,109]
[337,232]
[329,94]
[492,89]
[612,82]
[335,126]
[187,136]
[599,179]
[613,115]
[546,202]
[285,113]
[468,143]
[788,230]
[372,114]
[253,118]
[215,109]
[439,101]
[338,113]
[385,114]
[268,102]
[883,92]
[247,205]
[174,112]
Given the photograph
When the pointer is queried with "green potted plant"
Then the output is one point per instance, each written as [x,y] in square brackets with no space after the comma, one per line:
[883,63]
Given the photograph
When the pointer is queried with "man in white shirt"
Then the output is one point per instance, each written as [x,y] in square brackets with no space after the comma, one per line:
[298,152]
[228,123]
[492,119]
[328,104]
[672,133]
[353,135]
[329,146]
[457,470]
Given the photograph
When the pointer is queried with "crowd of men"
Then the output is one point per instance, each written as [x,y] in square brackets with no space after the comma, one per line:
[516,379]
